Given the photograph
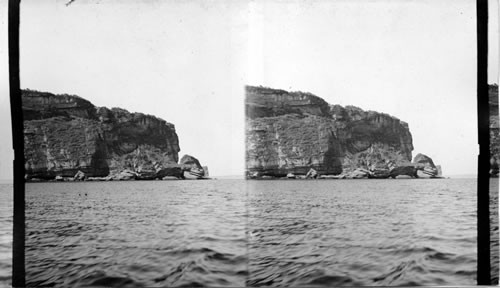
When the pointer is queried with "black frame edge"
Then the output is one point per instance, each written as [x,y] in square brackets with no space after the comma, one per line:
[483,199]
[18,243]
[483,223]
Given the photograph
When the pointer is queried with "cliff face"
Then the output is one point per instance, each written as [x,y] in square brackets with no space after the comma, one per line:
[292,132]
[494,130]
[65,134]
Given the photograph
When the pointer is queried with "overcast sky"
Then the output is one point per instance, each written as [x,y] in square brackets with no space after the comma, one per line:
[188,61]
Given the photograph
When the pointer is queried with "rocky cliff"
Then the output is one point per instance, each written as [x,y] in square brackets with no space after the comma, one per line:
[66,134]
[290,133]
[494,130]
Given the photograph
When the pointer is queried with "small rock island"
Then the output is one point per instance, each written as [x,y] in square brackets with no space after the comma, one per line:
[67,138]
[299,135]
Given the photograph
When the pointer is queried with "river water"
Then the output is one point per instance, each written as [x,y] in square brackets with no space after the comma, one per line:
[252,233]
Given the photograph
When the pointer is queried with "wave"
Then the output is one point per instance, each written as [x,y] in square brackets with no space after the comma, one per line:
[332,280]
[327,234]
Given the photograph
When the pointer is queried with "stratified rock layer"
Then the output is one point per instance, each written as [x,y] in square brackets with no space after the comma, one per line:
[425,166]
[190,161]
[65,134]
[192,168]
[494,130]
[292,132]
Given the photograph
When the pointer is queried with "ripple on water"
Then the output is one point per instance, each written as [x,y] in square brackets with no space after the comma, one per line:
[297,233]
[136,234]
[6,210]
[379,234]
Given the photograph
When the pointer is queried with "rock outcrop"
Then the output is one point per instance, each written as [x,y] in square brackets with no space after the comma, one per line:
[190,161]
[192,168]
[293,132]
[494,130]
[67,136]
[404,170]
[425,166]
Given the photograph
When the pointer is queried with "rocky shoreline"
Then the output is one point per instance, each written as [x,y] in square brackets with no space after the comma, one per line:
[289,135]
[293,135]
[181,172]
[421,167]
[67,138]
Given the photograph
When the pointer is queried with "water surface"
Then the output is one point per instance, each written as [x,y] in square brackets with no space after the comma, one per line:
[6,210]
[364,232]
[155,233]
[253,233]
[494,235]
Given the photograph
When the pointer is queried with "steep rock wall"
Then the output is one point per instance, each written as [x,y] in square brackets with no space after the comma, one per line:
[65,134]
[291,132]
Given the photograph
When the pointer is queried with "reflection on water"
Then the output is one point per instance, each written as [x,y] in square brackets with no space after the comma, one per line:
[387,232]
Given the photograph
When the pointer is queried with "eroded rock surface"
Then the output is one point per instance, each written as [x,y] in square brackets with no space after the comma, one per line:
[67,136]
[190,161]
[425,166]
[293,132]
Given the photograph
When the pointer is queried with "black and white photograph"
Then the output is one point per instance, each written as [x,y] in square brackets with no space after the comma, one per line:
[249,143]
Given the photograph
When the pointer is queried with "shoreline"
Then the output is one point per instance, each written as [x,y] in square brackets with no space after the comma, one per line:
[111,180]
[246,179]
[409,178]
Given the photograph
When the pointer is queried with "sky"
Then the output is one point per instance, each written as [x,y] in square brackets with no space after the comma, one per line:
[187,62]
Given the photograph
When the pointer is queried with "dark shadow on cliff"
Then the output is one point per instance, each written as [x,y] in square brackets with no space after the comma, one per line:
[99,162]
[333,156]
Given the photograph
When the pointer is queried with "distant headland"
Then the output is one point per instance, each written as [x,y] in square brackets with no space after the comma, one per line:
[300,135]
[67,138]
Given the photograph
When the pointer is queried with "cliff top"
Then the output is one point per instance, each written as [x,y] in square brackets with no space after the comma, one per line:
[35,93]
[40,105]
[268,102]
